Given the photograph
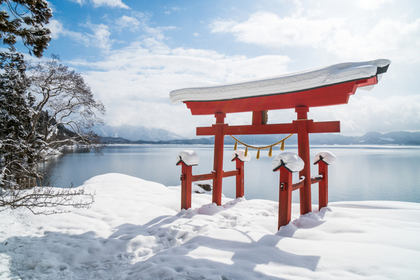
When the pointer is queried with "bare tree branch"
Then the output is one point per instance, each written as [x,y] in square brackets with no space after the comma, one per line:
[41,113]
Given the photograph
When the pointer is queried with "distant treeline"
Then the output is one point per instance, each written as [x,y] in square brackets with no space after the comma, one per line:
[370,138]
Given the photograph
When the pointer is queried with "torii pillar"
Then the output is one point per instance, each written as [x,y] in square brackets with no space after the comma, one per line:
[304,154]
[219,140]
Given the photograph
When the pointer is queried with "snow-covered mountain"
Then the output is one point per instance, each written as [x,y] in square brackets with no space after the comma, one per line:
[135,133]
[370,138]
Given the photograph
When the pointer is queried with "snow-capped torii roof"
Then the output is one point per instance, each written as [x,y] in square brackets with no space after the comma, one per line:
[293,82]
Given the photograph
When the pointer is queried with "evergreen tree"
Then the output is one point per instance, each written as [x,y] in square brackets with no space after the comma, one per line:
[26,20]
[18,147]
[24,126]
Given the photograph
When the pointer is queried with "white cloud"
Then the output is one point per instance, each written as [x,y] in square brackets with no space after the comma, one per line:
[56,28]
[80,2]
[141,21]
[99,3]
[366,113]
[171,9]
[347,36]
[157,32]
[99,38]
[264,28]
[397,40]
[110,3]
[134,83]
[131,23]
[372,4]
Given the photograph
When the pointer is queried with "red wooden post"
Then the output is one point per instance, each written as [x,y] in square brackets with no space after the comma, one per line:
[323,159]
[239,178]
[303,149]
[219,138]
[323,185]
[285,197]
[186,180]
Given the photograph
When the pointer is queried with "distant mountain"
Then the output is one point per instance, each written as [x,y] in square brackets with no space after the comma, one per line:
[370,138]
[395,138]
[135,133]
[119,140]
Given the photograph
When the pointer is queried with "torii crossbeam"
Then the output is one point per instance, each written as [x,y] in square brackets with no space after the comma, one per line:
[326,86]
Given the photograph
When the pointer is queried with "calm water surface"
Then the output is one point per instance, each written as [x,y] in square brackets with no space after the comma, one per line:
[361,173]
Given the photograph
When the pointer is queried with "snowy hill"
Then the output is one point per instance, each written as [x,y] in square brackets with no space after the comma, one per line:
[136,230]
[135,133]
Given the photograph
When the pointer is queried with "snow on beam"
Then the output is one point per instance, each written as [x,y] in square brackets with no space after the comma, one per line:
[290,161]
[240,154]
[294,82]
[327,157]
[188,157]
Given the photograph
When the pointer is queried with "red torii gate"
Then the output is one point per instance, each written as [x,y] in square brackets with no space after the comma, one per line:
[327,86]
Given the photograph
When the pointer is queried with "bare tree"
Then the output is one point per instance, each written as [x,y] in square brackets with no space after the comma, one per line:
[63,100]
[40,113]
[32,125]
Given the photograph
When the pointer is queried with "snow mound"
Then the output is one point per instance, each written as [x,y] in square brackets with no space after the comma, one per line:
[240,154]
[290,161]
[327,157]
[188,157]
[135,230]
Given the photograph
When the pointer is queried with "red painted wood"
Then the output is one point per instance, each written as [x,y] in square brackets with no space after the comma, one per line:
[256,117]
[323,185]
[323,127]
[218,158]
[285,128]
[285,197]
[186,186]
[323,96]
[250,129]
[297,186]
[367,82]
[230,173]
[316,179]
[202,177]
[240,178]
[303,150]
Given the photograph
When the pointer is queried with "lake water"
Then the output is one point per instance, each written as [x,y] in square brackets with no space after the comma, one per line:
[361,172]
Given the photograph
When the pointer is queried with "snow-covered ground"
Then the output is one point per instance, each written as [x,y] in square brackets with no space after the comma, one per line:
[135,230]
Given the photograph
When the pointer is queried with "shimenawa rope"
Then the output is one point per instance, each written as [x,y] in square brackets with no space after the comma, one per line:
[270,152]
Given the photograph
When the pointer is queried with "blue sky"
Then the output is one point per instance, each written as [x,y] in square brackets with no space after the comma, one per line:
[134,52]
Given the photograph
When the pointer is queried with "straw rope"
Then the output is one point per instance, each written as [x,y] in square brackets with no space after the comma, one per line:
[270,153]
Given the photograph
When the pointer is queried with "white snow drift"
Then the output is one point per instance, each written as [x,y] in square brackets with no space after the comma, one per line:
[135,230]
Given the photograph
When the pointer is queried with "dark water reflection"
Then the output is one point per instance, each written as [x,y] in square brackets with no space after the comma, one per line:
[361,173]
